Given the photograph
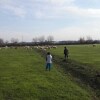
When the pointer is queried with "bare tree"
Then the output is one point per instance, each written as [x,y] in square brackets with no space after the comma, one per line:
[50,38]
[89,39]
[6,42]
[1,41]
[81,40]
[14,40]
[35,40]
[41,39]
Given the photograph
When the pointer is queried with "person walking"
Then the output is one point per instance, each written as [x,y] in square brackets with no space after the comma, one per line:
[65,53]
[48,61]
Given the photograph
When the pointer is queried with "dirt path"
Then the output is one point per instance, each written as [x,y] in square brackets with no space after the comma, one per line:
[81,74]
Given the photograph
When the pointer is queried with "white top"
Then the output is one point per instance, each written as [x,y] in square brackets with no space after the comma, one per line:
[49,59]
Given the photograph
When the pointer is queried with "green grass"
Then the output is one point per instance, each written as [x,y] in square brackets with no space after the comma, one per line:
[23,77]
[83,64]
[86,54]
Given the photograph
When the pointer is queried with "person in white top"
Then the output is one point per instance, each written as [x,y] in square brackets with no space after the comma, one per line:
[48,61]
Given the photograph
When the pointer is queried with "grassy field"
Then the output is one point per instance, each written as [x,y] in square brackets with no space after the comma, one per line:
[23,77]
[85,54]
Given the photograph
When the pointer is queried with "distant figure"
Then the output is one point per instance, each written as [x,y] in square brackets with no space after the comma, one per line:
[48,61]
[94,45]
[65,53]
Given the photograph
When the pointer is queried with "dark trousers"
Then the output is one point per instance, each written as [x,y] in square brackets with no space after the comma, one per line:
[66,56]
[48,66]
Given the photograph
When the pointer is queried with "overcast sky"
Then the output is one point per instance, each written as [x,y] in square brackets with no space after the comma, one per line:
[63,19]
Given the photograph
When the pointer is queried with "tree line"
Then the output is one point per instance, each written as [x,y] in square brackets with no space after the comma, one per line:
[47,41]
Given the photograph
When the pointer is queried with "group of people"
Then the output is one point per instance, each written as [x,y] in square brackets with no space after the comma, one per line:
[49,58]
